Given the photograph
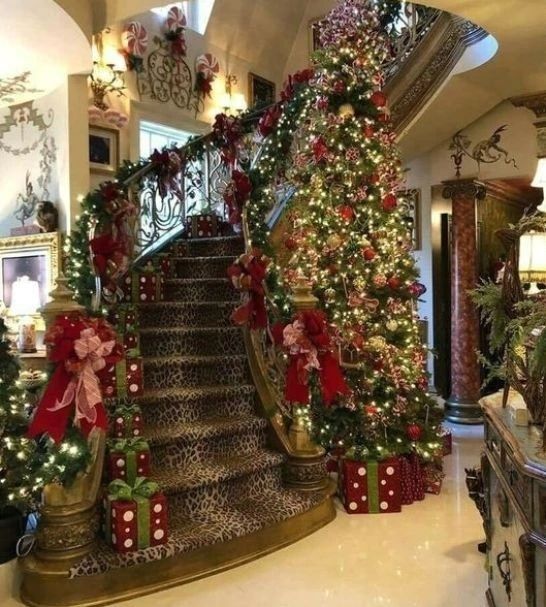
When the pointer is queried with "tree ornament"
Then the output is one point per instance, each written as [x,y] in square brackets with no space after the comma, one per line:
[394,283]
[333,269]
[389,202]
[368,254]
[368,131]
[392,325]
[330,295]
[347,213]
[377,343]
[339,87]
[346,110]
[414,432]
[379,99]
[291,243]
[379,281]
[334,241]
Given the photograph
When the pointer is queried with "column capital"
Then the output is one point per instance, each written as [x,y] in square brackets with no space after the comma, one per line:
[535,102]
[467,188]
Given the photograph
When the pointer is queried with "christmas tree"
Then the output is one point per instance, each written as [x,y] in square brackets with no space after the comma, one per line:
[350,238]
[17,453]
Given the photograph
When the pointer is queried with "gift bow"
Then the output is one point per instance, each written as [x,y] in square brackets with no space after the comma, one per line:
[127,411]
[143,487]
[129,444]
[84,387]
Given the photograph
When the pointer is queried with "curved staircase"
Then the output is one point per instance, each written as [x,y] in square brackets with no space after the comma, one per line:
[210,447]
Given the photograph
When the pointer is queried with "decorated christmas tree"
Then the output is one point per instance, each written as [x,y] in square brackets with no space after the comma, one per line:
[350,238]
[17,453]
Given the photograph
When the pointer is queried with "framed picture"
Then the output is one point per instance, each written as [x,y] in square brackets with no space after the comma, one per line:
[410,206]
[37,256]
[314,34]
[261,92]
[103,149]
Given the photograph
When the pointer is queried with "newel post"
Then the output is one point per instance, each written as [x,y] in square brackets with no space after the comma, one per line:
[69,521]
[306,468]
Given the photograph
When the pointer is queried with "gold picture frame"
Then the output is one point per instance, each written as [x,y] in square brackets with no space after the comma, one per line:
[103,149]
[314,34]
[38,256]
[410,206]
[261,92]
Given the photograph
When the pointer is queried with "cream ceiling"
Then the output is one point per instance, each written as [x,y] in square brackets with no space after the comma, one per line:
[39,45]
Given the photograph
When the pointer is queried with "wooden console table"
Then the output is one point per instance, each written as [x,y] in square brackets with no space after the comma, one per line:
[514,473]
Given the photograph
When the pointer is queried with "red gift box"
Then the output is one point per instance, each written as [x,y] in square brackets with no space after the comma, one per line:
[333,458]
[202,226]
[447,441]
[129,459]
[143,285]
[136,516]
[131,344]
[433,478]
[128,421]
[123,317]
[165,265]
[370,487]
[122,379]
[412,479]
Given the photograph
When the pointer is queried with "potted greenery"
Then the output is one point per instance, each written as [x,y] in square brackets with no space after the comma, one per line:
[16,451]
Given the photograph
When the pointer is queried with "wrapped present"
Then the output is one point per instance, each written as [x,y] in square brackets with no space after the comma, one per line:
[144,284]
[333,459]
[128,459]
[127,421]
[202,226]
[447,441]
[165,265]
[124,318]
[136,516]
[411,479]
[122,379]
[433,476]
[131,344]
[370,487]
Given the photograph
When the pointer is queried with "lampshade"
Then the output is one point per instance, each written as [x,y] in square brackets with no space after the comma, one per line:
[239,102]
[539,181]
[25,296]
[532,257]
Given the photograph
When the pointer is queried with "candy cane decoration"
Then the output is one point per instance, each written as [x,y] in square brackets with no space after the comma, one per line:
[134,39]
[208,66]
[175,19]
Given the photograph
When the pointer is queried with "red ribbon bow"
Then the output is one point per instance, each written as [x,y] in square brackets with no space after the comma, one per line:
[307,340]
[248,274]
[236,194]
[80,346]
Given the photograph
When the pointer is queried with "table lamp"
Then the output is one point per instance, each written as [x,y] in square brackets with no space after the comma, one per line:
[25,301]
[532,259]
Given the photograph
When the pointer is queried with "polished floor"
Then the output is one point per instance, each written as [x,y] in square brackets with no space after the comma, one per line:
[424,557]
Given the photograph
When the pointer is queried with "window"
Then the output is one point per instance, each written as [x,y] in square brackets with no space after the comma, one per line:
[197,13]
[155,136]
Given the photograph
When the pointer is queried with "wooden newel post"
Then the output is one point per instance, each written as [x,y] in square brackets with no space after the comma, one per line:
[69,521]
[306,468]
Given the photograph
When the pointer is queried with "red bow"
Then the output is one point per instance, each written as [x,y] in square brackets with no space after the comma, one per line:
[247,275]
[269,120]
[236,194]
[169,166]
[307,340]
[227,131]
[80,346]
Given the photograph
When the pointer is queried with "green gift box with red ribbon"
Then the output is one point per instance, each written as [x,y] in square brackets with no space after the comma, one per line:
[128,459]
[370,487]
[122,379]
[136,515]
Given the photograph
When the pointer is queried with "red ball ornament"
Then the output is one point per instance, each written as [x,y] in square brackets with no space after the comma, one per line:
[379,99]
[394,282]
[368,131]
[389,202]
[368,253]
[339,87]
[374,178]
[333,269]
[377,365]
[347,213]
[290,243]
[414,432]
[383,117]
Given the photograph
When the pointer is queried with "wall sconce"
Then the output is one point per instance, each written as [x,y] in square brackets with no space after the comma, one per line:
[539,181]
[532,259]
[107,74]
[232,103]
[25,301]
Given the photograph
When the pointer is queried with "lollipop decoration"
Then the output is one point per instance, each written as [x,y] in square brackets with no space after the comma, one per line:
[175,24]
[206,70]
[134,41]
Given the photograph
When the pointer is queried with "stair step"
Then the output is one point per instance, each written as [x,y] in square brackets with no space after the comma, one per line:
[191,405]
[213,441]
[217,525]
[213,341]
[200,289]
[201,267]
[177,314]
[214,247]
[170,372]
[210,472]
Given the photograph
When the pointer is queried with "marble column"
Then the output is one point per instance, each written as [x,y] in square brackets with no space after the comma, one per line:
[462,405]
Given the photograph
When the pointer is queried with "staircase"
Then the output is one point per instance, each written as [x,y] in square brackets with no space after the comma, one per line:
[210,447]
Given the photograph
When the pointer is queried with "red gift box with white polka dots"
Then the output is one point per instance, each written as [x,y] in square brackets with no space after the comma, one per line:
[123,379]
[202,226]
[137,523]
[128,461]
[370,487]
[142,286]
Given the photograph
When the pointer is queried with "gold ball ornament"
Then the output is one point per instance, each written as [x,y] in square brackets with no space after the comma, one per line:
[330,294]
[377,343]
[392,325]
[346,110]
[334,241]
[360,283]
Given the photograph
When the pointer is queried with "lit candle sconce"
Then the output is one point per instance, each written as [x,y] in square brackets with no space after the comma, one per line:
[107,75]
[25,301]
[231,102]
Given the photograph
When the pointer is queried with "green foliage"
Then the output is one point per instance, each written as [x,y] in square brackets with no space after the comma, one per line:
[488,298]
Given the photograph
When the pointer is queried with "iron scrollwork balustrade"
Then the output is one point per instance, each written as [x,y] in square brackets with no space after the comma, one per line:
[503,565]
